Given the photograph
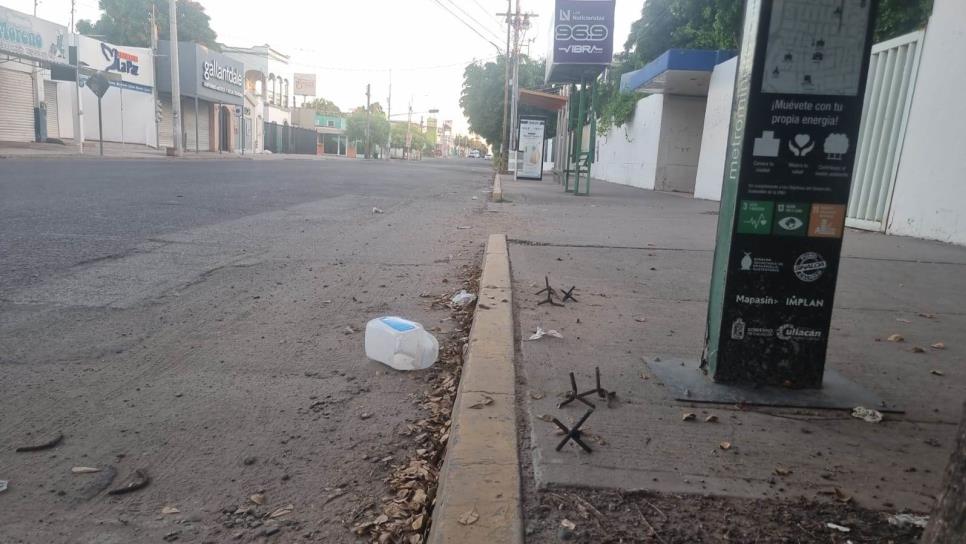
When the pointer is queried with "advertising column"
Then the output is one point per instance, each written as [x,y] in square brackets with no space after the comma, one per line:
[795,122]
[531,148]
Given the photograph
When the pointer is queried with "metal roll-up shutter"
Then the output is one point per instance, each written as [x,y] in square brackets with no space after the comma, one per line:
[164,127]
[16,106]
[204,126]
[53,121]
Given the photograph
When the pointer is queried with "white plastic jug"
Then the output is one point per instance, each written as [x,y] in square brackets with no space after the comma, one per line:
[400,343]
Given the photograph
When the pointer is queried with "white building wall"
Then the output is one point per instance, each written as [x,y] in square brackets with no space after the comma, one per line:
[714,141]
[65,110]
[929,200]
[628,154]
[680,144]
[128,116]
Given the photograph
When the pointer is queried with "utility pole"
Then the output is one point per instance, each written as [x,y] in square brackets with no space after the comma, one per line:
[175,78]
[368,119]
[78,101]
[505,146]
[389,119]
[519,22]
[154,89]
[409,126]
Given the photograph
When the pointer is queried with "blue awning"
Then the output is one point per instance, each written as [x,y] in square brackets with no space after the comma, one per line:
[676,71]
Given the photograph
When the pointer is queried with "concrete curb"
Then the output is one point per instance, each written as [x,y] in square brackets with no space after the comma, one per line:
[481,471]
[497,188]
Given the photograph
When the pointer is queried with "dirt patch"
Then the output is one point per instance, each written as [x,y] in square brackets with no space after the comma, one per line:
[404,514]
[581,515]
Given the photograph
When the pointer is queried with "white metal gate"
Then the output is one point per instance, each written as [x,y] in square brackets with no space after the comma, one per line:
[888,97]
[53,109]
[16,106]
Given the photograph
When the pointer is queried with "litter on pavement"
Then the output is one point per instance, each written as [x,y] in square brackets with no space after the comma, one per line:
[867,414]
[838,528]
[541,333]
[463,298]
[46,445]
[3,486]
[901,520]
[400,343]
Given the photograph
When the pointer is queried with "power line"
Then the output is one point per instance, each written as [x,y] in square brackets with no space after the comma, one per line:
[394,68]
[475,20]
[471,27]
[482,7]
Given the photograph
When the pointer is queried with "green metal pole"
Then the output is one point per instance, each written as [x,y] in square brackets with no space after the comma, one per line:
[571,123]
[592,140]
[581,114]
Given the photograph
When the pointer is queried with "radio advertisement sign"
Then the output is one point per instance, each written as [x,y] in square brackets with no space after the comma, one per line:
[583,32]
[792,145]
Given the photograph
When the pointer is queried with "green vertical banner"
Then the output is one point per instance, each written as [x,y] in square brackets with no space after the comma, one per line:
[799,92]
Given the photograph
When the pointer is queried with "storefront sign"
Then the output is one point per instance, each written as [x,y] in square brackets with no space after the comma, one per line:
[223,77]
[304,84]
[531,148]
[31,38]
[798,103]
[133,66]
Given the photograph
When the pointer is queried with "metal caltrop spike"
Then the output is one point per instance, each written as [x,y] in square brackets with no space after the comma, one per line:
[573,394]
[574,433]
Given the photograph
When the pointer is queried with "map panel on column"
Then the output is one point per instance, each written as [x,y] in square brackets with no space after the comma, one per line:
[815,47]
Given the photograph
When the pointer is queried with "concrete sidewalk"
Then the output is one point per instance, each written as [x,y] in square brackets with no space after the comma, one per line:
[641,262]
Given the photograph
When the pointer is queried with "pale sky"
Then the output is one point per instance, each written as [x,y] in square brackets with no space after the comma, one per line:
[351,43]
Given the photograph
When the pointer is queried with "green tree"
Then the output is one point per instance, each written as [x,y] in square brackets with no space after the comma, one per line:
[482,97]
[378,128]
[127,22]
[898,17]
[323,106]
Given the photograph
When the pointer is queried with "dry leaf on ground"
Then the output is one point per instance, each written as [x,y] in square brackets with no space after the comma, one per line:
[167,510]
[725,445]
[84,470]
[469,517]
[567,524]
[935,372]
[711,419]
[486,401]
[688,417]
[283,511]
[896,338]
[938,345]
[257,498]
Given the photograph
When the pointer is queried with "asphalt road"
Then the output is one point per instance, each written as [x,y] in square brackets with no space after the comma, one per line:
[200,320]
[55,214]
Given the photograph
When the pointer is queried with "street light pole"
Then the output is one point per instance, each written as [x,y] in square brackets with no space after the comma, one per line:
[389,119]
[368,119]
[409,125]
[175,78]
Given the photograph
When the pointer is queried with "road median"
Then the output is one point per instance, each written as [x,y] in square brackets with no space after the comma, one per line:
[478,500]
